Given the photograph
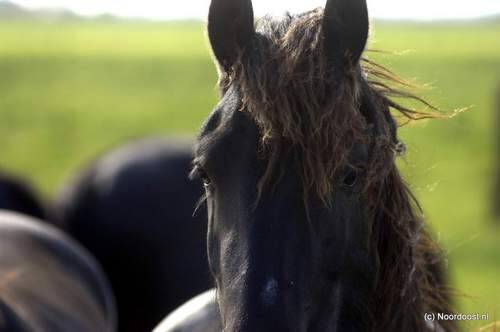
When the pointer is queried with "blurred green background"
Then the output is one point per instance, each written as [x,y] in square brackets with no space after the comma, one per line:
[71,88]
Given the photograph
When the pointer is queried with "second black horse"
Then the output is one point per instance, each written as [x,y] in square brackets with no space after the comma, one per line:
[133,209]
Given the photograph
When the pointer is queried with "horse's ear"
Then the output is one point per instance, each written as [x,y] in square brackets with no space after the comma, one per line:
[345,29]
[230,29]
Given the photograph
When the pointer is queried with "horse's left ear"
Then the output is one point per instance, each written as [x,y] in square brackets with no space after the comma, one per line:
[345,29]
[230,29]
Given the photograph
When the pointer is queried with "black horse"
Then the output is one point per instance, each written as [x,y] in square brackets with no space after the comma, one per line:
[48,283]
[17,195]
[133,209]
[311,227]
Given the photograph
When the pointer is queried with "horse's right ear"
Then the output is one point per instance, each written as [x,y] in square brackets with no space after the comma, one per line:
[230,29]
[345,29]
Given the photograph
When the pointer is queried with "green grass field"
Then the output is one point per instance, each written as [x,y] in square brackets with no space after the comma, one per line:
[70,90]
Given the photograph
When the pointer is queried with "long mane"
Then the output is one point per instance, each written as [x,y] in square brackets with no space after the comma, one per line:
[303,105]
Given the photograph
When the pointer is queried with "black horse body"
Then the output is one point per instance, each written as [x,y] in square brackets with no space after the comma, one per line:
[133,209]
[18,196]
[48,283]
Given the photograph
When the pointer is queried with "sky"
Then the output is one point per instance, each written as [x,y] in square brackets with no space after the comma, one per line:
[184,9]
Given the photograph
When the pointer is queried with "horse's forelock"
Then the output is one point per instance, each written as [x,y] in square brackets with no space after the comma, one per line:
[298,101]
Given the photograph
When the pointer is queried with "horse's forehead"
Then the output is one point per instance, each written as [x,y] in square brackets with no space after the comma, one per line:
[222,114]
[227,126]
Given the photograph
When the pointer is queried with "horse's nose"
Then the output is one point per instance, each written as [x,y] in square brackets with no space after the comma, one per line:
[271,306]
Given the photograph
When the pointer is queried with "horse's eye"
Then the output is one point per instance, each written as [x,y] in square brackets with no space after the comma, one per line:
[206,182]
[204,178]
[199,173]
[351,178]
